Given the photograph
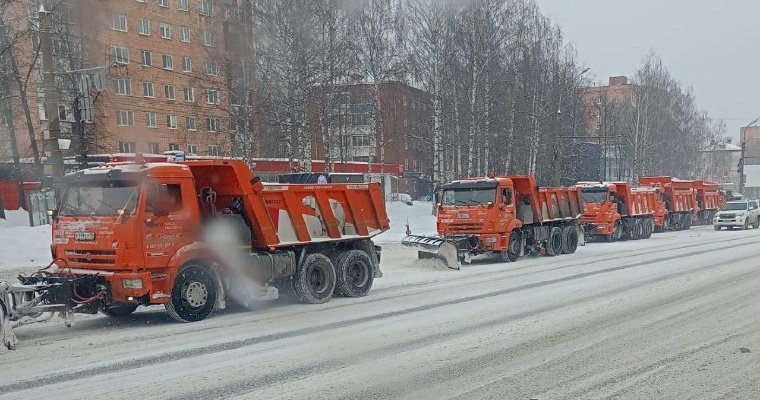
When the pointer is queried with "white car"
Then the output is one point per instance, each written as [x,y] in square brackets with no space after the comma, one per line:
[738,214]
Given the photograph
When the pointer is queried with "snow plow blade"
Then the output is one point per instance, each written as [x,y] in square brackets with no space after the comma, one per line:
[433,248]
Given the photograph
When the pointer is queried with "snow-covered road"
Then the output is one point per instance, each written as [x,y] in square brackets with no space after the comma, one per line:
[673,317]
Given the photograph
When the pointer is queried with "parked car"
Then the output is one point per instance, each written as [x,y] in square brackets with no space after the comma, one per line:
[738,214]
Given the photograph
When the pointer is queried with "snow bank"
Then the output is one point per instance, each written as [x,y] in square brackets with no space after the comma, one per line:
[23,246]
[421,221]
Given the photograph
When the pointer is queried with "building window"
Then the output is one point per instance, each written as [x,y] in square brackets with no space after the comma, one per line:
[163,3]
[153,148]
[120,55]
[215,151]
[125,118]
[119,23]
[212,96]
[166,31]
[173,147]
[171,121]
[189,94]
[206,7]
[183,5]
[146,57]
[127,147]
[184,34]
[150,120]
[144,26]
[213,124]
[148,90]
[168,61]
[192,149]
[190,123]
[169,92]
[61,113]
[123,87]
[360,141]
[210,67]
[187,64]
[207,38]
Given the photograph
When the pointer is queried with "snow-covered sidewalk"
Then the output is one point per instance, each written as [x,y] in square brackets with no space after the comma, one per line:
[22,246]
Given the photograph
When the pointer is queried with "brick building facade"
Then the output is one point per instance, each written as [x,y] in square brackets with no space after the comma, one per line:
[164,64]
[600,100]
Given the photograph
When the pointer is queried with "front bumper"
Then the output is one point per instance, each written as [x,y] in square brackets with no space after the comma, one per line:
[729,222]
[114,281]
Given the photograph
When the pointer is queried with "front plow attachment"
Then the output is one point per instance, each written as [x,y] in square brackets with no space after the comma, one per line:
[434,248]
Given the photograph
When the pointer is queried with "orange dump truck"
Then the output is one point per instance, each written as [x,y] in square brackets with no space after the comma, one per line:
[710,199]
[680,202]
[508,216]
[185,235]
[615,211]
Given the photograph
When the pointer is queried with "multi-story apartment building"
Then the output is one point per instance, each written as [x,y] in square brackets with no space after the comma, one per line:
[166,81]
[350,135]
[164,69]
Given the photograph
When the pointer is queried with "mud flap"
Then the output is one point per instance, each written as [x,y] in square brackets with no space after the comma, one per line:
[434,248]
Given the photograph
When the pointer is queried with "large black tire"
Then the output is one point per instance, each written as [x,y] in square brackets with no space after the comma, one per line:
[717,228]
[354,274]
[193,294]
[757,223]
[635,233]
[649,224]
[514,248]
[570,234]
[554,242]
[314,281]
[119,311]
[687,222]
[746,224]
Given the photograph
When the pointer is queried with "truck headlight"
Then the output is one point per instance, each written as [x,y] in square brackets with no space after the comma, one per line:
[491,240]
[132,283]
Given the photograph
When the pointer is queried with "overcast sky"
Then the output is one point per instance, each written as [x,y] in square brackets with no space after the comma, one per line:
[711,45]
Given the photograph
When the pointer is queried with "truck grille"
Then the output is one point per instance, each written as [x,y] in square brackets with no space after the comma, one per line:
[466,227]
[91,257]
[727,216]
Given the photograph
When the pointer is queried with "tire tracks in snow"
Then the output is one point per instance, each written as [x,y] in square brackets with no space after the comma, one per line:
[165,357]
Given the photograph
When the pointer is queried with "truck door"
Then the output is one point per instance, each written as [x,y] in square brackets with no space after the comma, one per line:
[506,206]
[169,223]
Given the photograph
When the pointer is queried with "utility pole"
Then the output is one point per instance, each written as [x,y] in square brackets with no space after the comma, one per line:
[55,167]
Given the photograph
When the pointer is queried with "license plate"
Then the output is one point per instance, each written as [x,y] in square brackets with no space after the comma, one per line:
[463,216]
[84,236]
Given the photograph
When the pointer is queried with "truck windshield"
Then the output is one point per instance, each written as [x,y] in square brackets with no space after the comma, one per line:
[594,195]
[468,196]
[99,198]
[735,207]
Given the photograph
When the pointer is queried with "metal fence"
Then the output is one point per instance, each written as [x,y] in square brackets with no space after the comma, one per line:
[39,203]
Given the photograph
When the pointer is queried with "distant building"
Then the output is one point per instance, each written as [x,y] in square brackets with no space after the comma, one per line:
[721,164]
[599,102]
[348,133]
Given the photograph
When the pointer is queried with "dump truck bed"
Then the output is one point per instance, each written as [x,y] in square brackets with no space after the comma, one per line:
[287,215]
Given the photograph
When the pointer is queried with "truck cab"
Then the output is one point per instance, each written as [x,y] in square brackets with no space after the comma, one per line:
[123,227]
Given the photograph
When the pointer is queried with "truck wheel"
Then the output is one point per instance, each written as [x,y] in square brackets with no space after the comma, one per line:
[757,223]
[118,311]
[650,227]
[635,233]
[687,222]
[717,228]
[314,281]
[746,224]
[354,274]
[193,295]
[554,243]
[512,253]
[570,234]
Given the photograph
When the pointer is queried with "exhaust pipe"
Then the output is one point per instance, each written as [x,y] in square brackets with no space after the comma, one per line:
[434,248]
